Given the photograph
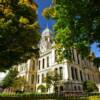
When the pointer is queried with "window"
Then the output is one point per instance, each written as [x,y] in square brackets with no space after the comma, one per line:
[39,64]
[61,88]
[81,75]
[61,72]
[72,72]
[38,78]
[76,74]
[75,88]
[48,61]
[42,78]
[32,79]
[43,63]
[88,76]
[33,64]
[55,55]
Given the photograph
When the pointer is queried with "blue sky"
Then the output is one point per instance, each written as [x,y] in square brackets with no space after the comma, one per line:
[43,22]
[95,50]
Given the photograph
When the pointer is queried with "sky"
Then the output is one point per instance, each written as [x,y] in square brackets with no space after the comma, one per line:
[43,22]
[95,50]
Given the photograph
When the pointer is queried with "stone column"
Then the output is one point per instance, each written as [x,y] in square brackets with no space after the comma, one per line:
[69,71]
[79,77]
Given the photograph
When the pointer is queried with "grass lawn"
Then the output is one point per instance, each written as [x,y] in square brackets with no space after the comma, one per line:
[94,97]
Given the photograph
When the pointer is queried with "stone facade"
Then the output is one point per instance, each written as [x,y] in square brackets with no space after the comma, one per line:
[73,74]
[28,71]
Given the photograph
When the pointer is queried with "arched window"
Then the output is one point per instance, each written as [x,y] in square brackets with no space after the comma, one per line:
[39,63]
[43,63]
[81,75]
[55,55]
[61,72]
[42,78]
[72,73]
[38,78]
[76,73]
[48,61]
[32,79]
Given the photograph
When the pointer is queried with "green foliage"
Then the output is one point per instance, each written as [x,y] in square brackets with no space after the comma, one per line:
[97,61]
[9,78]
[51,79]
[89,86]
[23,20]
[77,24]
[32,96]
[42,88]
[47,12]
[19,34]
[93,97]
[19,83]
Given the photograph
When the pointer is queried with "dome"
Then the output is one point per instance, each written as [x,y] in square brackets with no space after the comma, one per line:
[46,32]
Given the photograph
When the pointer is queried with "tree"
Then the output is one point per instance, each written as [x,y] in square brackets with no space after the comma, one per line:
[19,83]
[19,34]
[52,78]
[77,24]
[89,86]
[97,62]
[9,78]
[42,88]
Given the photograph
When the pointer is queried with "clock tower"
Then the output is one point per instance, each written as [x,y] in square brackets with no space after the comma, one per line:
[45,42]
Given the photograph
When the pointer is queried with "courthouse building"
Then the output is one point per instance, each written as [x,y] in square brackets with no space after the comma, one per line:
[28,72]
[72,73]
